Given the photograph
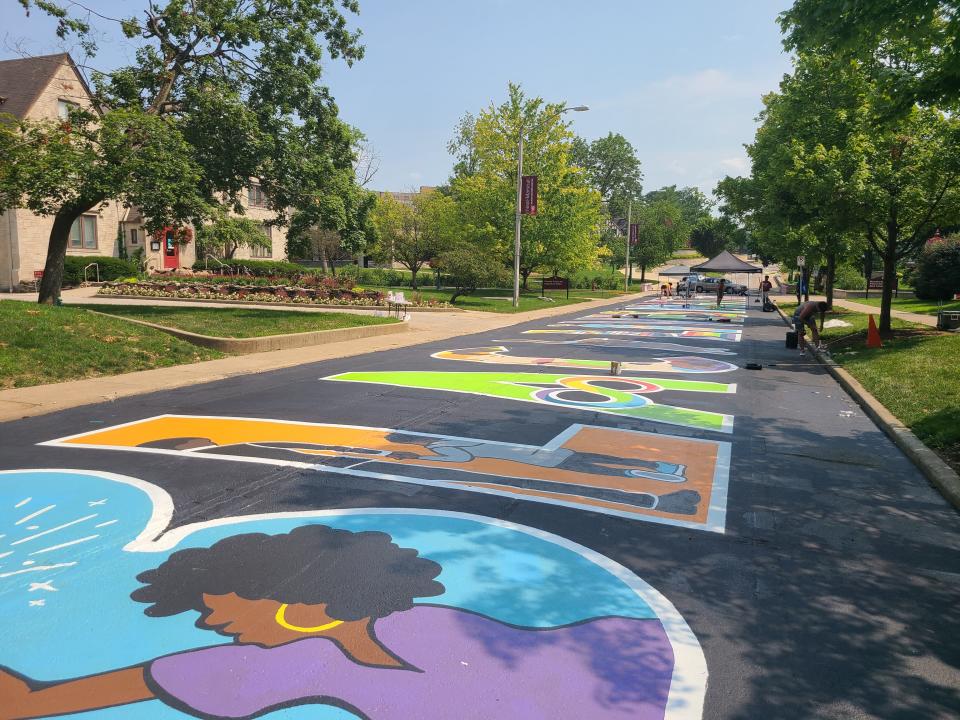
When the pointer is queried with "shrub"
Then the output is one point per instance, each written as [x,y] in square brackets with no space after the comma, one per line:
[937,276]
[111,268]
[469,269]
[849,277]
[596,279]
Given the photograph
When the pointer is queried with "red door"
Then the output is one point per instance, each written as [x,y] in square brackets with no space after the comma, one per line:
[171,251]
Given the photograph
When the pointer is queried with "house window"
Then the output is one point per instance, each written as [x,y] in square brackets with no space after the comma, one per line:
[255,196]
[258,251]
[134,239]
[64,108]
[83,233]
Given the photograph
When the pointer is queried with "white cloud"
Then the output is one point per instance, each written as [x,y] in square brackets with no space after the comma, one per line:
[735,165]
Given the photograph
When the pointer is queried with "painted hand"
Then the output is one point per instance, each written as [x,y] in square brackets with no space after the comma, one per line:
[15,693]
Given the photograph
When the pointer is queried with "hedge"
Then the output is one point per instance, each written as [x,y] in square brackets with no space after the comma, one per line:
[259,268]
[111,268]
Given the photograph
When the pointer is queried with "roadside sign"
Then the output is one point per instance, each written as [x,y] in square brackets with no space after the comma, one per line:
[801,261]
[38,274]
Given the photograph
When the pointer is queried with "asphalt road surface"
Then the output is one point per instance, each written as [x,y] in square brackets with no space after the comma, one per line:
[498,526]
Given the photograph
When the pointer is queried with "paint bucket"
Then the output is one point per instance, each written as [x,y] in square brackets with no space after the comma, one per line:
[614,367]
[791,340]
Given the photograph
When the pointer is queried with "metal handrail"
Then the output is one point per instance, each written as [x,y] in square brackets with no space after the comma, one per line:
[206,265]
[87,267]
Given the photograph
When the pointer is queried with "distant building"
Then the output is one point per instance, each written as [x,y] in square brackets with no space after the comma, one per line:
[46,88]
[406,198]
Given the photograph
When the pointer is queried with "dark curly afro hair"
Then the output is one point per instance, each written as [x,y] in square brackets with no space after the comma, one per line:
[355,574]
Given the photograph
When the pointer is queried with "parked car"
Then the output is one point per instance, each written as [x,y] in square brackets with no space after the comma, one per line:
[705,284]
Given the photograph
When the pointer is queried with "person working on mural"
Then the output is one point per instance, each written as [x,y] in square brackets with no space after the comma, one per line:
[765,287]
[805,316]
[326,616]
[721,288]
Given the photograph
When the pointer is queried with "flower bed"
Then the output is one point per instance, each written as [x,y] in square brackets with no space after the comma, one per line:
[281,294]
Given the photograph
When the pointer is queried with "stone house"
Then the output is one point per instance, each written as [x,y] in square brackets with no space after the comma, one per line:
[46,88]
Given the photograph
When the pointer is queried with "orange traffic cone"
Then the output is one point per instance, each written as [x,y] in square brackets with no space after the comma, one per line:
[873,335]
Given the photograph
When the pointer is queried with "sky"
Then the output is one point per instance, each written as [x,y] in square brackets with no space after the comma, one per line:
[682,80]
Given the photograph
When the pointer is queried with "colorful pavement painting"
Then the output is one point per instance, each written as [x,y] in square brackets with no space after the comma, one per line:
[726,329]
[622,472]
[629,344]
[376,613]
[624,396]
[499,355]
[677,332]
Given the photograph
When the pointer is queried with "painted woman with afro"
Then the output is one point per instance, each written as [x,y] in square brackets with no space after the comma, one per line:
[327,616]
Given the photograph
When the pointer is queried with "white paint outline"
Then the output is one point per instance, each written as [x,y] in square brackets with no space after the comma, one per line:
[687,689]
[714,522]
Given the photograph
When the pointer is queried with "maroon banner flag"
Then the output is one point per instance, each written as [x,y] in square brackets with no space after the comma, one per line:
[528,195]
[634,230]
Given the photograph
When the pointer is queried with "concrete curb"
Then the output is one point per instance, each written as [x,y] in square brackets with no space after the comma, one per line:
[260,303]
[940,475]
[243,346]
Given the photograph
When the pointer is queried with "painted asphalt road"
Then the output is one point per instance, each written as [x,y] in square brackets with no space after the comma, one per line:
[820,578]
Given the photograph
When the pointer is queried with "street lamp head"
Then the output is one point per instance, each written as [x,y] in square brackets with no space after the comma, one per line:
[580,108]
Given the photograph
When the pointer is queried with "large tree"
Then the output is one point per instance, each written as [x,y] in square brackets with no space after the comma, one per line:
[661,228]
[415,234]
[218,93]
[563,236]
[913,46]
[834,162]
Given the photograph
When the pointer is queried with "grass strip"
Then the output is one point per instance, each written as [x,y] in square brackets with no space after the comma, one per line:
[240,322]
[41,344]
[912,305]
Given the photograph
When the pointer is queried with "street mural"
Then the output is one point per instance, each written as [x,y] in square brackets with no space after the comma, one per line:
[372,613]
[640,325]
[643,476]
[670,315]
[499,355]
[623,396]
[676,332]
[629,344]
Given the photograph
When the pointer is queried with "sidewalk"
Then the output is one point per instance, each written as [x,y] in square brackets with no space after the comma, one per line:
[424,327]
[929,320]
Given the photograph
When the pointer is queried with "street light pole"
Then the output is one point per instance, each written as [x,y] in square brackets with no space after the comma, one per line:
[516,230]
[626,270]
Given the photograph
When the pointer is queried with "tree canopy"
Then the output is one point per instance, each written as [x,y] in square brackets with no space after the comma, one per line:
[218,93]
[564,234]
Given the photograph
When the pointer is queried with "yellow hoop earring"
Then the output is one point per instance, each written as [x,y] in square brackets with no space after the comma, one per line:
[282,622]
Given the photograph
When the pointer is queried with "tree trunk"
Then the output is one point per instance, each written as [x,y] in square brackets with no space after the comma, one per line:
[643,273]
[524,275]
[324,263]
[889,276]
[52,280]
[831,271]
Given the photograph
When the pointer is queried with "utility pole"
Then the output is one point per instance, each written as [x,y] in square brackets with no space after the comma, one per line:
[516,231]
[626,270]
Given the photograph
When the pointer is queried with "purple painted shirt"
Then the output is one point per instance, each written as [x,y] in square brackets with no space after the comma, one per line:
[473,667]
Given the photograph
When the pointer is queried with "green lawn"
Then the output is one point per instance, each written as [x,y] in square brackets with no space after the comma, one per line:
[916,375]
[239,322]
[41,344]
[499,300]
[923,307]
